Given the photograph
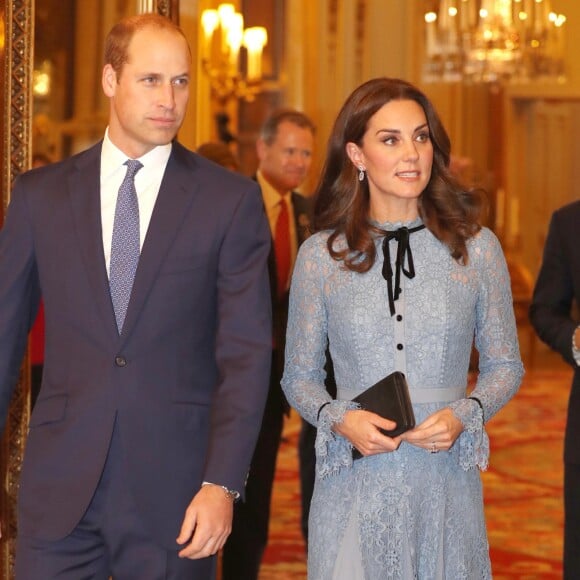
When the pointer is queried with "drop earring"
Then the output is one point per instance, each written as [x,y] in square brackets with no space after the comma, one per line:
[361,173]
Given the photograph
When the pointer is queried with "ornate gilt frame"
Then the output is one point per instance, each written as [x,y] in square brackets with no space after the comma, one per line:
[16,100]
[16,61]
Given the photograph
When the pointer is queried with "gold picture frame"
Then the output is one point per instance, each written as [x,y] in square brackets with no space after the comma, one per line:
[16,34]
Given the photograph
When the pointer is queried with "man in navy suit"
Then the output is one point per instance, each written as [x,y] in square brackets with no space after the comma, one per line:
[143,431]
[553,317]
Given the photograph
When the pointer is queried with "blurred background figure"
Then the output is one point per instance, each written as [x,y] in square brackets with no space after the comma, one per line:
[219,153]
[284,150]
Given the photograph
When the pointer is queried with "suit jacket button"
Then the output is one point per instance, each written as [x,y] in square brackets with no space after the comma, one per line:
[120,361]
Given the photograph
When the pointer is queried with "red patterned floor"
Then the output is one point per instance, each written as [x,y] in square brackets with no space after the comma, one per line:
[523,487]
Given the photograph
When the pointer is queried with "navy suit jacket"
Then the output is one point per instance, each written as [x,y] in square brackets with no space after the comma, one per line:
[557,287]
[185,382]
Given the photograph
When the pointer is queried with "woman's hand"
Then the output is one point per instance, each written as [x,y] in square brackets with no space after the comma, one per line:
[361,428]
[437,433]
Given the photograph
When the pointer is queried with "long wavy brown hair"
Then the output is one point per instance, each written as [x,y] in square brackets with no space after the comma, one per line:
[448,209]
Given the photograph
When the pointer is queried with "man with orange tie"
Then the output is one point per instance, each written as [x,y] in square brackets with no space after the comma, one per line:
[285,154]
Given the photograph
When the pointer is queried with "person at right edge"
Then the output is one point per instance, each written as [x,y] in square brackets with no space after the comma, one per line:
[551,314]
[399,276]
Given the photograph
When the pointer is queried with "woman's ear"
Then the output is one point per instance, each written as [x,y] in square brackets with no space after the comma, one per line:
[355,155]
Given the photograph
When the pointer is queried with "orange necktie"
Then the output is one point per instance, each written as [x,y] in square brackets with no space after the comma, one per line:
[282,248]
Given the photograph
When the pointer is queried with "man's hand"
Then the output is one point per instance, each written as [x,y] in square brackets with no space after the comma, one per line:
[361,428]
[207,523]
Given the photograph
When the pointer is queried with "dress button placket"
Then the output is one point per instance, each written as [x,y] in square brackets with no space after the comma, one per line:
[399,338]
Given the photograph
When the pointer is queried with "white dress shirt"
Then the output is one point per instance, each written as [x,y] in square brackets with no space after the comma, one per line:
[147,184]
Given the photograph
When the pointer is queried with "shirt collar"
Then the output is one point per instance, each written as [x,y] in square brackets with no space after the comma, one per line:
[112,158]
[270,194]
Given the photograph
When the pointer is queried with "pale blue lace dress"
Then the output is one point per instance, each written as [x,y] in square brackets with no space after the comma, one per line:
[409,514]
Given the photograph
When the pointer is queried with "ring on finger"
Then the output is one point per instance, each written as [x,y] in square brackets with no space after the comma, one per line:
[433,448]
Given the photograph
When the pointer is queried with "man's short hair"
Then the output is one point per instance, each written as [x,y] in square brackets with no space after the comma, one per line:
[116,52]
[270,127]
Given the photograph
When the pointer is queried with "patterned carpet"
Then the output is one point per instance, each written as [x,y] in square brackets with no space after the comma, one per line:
[523,486]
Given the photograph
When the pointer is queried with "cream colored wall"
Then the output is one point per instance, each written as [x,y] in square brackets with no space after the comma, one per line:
[389,39]
[197,126]
[542,159]
[571,8]
[542,153]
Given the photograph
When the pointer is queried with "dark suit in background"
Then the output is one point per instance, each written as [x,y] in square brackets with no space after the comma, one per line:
[551,313]
[245,547]
[284,150]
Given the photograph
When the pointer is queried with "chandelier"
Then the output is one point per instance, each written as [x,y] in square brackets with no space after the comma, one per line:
[494,41]
[230,74]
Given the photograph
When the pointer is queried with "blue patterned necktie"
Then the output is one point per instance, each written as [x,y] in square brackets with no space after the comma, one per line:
[125,247]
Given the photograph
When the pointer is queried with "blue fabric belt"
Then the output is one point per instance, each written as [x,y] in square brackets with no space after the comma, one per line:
[426,395]
[436,395]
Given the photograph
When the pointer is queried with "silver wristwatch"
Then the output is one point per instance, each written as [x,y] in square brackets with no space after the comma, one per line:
[230,493]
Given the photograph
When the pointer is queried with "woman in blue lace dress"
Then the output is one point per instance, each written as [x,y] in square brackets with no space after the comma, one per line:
[412,506]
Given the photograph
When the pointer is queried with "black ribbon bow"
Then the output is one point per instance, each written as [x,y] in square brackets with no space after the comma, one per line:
[403,251]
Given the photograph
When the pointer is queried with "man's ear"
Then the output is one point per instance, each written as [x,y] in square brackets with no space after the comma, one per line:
[109,80]
[355,155]
[261,148]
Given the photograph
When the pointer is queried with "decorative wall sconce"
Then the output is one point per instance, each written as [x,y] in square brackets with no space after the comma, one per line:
[231,75]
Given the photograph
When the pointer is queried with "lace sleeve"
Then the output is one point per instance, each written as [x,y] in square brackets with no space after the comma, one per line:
[306,335]
[496,340]
[306,344]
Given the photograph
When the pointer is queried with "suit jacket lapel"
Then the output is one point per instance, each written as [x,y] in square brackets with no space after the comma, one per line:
[302,213]
[175,196]
[85,199]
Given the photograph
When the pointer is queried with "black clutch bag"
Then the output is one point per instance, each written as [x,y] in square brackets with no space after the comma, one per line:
[390,399]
